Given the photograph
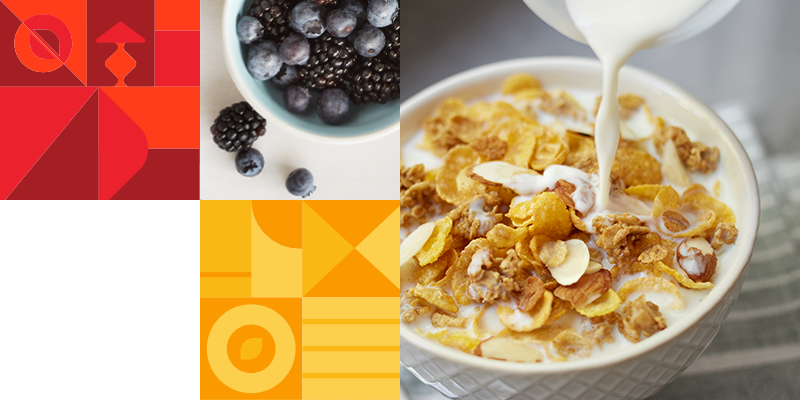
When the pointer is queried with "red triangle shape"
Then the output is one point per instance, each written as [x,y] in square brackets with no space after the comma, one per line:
[354,219]
[68,169]
[354,277]
[120,33]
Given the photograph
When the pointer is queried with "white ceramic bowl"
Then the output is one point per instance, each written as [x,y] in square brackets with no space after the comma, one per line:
[369,121]
[633,372]
[555,14]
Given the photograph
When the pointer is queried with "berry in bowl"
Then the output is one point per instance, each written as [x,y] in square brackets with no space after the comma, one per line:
[327,70]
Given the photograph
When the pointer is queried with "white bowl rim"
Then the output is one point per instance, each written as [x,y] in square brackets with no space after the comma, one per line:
[716,295]
[228,29]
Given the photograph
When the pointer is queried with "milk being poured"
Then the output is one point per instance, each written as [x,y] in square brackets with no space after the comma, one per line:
[615,30]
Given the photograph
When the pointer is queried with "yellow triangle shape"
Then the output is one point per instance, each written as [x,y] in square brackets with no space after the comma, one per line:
[323,248]
[382,247]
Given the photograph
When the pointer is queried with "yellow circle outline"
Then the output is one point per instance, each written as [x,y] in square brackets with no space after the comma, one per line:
[217,349]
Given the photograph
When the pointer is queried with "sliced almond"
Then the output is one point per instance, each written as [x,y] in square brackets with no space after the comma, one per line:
[502,348]
[626,132]
[496,173]
[593,267]
[697,259]
[671,167]
[414,242]
[574,266]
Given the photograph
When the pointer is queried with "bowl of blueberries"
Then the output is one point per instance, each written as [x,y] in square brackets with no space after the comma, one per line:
[325,70]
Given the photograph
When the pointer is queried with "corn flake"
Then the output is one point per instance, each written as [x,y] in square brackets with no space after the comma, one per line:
[503,236]
[428,274]
[435,245]
[550,150]
[636,167]
[684,280]
[651,284]
[666,199]
[457,159]
[521,141]
[435,296]
[519,82]
[603,305]
[544,214]
[520,321]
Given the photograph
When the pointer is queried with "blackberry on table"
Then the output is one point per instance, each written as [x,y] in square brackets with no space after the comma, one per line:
[331,61]
[374,81]
[237,127]
[275,16]
[391,50]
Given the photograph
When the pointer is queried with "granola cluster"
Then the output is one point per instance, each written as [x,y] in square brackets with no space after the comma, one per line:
[497,235]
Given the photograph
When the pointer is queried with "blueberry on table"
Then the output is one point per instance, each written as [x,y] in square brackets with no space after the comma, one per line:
[249,162]
[341,22]
[295,49]
[308,18]
[249,30]
[333,106]
[300,183]
[369,41]
[382,12]
[263,61]
[296,99]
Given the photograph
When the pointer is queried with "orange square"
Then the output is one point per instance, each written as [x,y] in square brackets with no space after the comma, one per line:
[250,348]
[177,15]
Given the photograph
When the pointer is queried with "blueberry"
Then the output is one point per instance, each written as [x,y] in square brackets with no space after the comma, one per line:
[308,18]
[296,99]
[263,60]
[333,106]
[382,12]
[300,183]
[286,76]
[295,49]
[341,23]
[249,30]
[369,41]
[249,162]
[357,7]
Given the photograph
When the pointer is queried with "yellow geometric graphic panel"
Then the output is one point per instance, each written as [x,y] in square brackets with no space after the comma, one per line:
[262,337]
[323,248]
[379,249]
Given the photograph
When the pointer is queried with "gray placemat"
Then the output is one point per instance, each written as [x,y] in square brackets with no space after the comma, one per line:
[756,354]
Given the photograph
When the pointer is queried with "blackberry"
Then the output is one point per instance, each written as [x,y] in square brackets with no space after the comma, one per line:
[275,15]
[374,81]
[391,51]
[332,59]
[237,127]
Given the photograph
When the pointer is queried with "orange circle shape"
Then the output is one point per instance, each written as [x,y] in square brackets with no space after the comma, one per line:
[23,45]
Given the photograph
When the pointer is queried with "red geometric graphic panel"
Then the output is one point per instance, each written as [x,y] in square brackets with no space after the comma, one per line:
[177,58]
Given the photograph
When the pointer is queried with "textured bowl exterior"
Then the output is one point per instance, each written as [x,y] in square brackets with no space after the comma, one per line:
[636,378]
[632,372]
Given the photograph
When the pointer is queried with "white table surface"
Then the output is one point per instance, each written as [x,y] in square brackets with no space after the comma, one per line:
[341,172]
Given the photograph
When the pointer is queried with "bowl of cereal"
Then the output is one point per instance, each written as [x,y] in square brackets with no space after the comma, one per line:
[515,282]
[308,79]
